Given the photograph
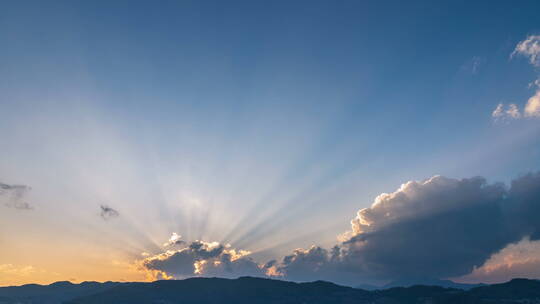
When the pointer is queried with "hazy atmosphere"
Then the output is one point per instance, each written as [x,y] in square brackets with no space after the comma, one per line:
[357,142]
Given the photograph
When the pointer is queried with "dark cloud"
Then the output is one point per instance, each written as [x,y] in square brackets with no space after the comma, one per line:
[14,195]
[108,213]
[437,228]
[317,263]
[523,209]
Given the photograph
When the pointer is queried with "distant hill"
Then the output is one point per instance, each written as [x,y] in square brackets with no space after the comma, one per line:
[263,291]
[242,290]
[430,282]
[55,293]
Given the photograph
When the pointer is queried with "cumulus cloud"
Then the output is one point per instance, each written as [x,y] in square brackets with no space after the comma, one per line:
[201,258]
[14,195]
[411,231]
[108,213]
[437,228]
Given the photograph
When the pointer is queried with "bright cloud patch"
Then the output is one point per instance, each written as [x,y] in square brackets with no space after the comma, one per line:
[516,260]
[532,108]
[529,48]
[201,258]
[504,113]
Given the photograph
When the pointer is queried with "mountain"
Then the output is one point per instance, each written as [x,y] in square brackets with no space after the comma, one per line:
[263,291]
[214,290]
[514,291]
[51,294]
[429,282]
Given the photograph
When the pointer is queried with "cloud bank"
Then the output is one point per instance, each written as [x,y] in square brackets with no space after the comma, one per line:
[437,228]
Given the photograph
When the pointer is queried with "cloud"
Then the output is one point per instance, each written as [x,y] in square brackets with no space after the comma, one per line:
[201,258]
[11,270]
[317,263]
[532,108]
[511,112]
[529,48]
[408,233]
[13,196]
[18,274]
[436,228]
[523,206]
[516,260]
[175,239]
[108,213]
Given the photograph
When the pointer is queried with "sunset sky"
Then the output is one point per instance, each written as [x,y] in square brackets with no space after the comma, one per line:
[358,142]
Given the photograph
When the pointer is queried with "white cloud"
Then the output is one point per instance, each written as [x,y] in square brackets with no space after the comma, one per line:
[175,239]
[511,112]
[413,200]
[532,108]
[498,112]
[529,48]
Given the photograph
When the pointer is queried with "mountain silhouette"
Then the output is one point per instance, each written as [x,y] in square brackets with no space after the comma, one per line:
[262,291]
[429,282]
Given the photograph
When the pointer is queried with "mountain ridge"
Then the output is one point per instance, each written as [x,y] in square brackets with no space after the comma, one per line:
[261,290]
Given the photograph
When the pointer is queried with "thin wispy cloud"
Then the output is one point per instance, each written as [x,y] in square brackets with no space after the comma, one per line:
[473,65]
[505,113]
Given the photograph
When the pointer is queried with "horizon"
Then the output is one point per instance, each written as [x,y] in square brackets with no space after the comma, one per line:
[362,286]
[350,142]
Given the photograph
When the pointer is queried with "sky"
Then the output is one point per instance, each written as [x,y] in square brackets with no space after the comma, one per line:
[358,142]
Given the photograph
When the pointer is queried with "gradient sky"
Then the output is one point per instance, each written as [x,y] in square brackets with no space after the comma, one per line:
[265,125]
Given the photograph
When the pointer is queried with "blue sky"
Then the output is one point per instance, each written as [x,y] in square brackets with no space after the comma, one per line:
[250,122]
